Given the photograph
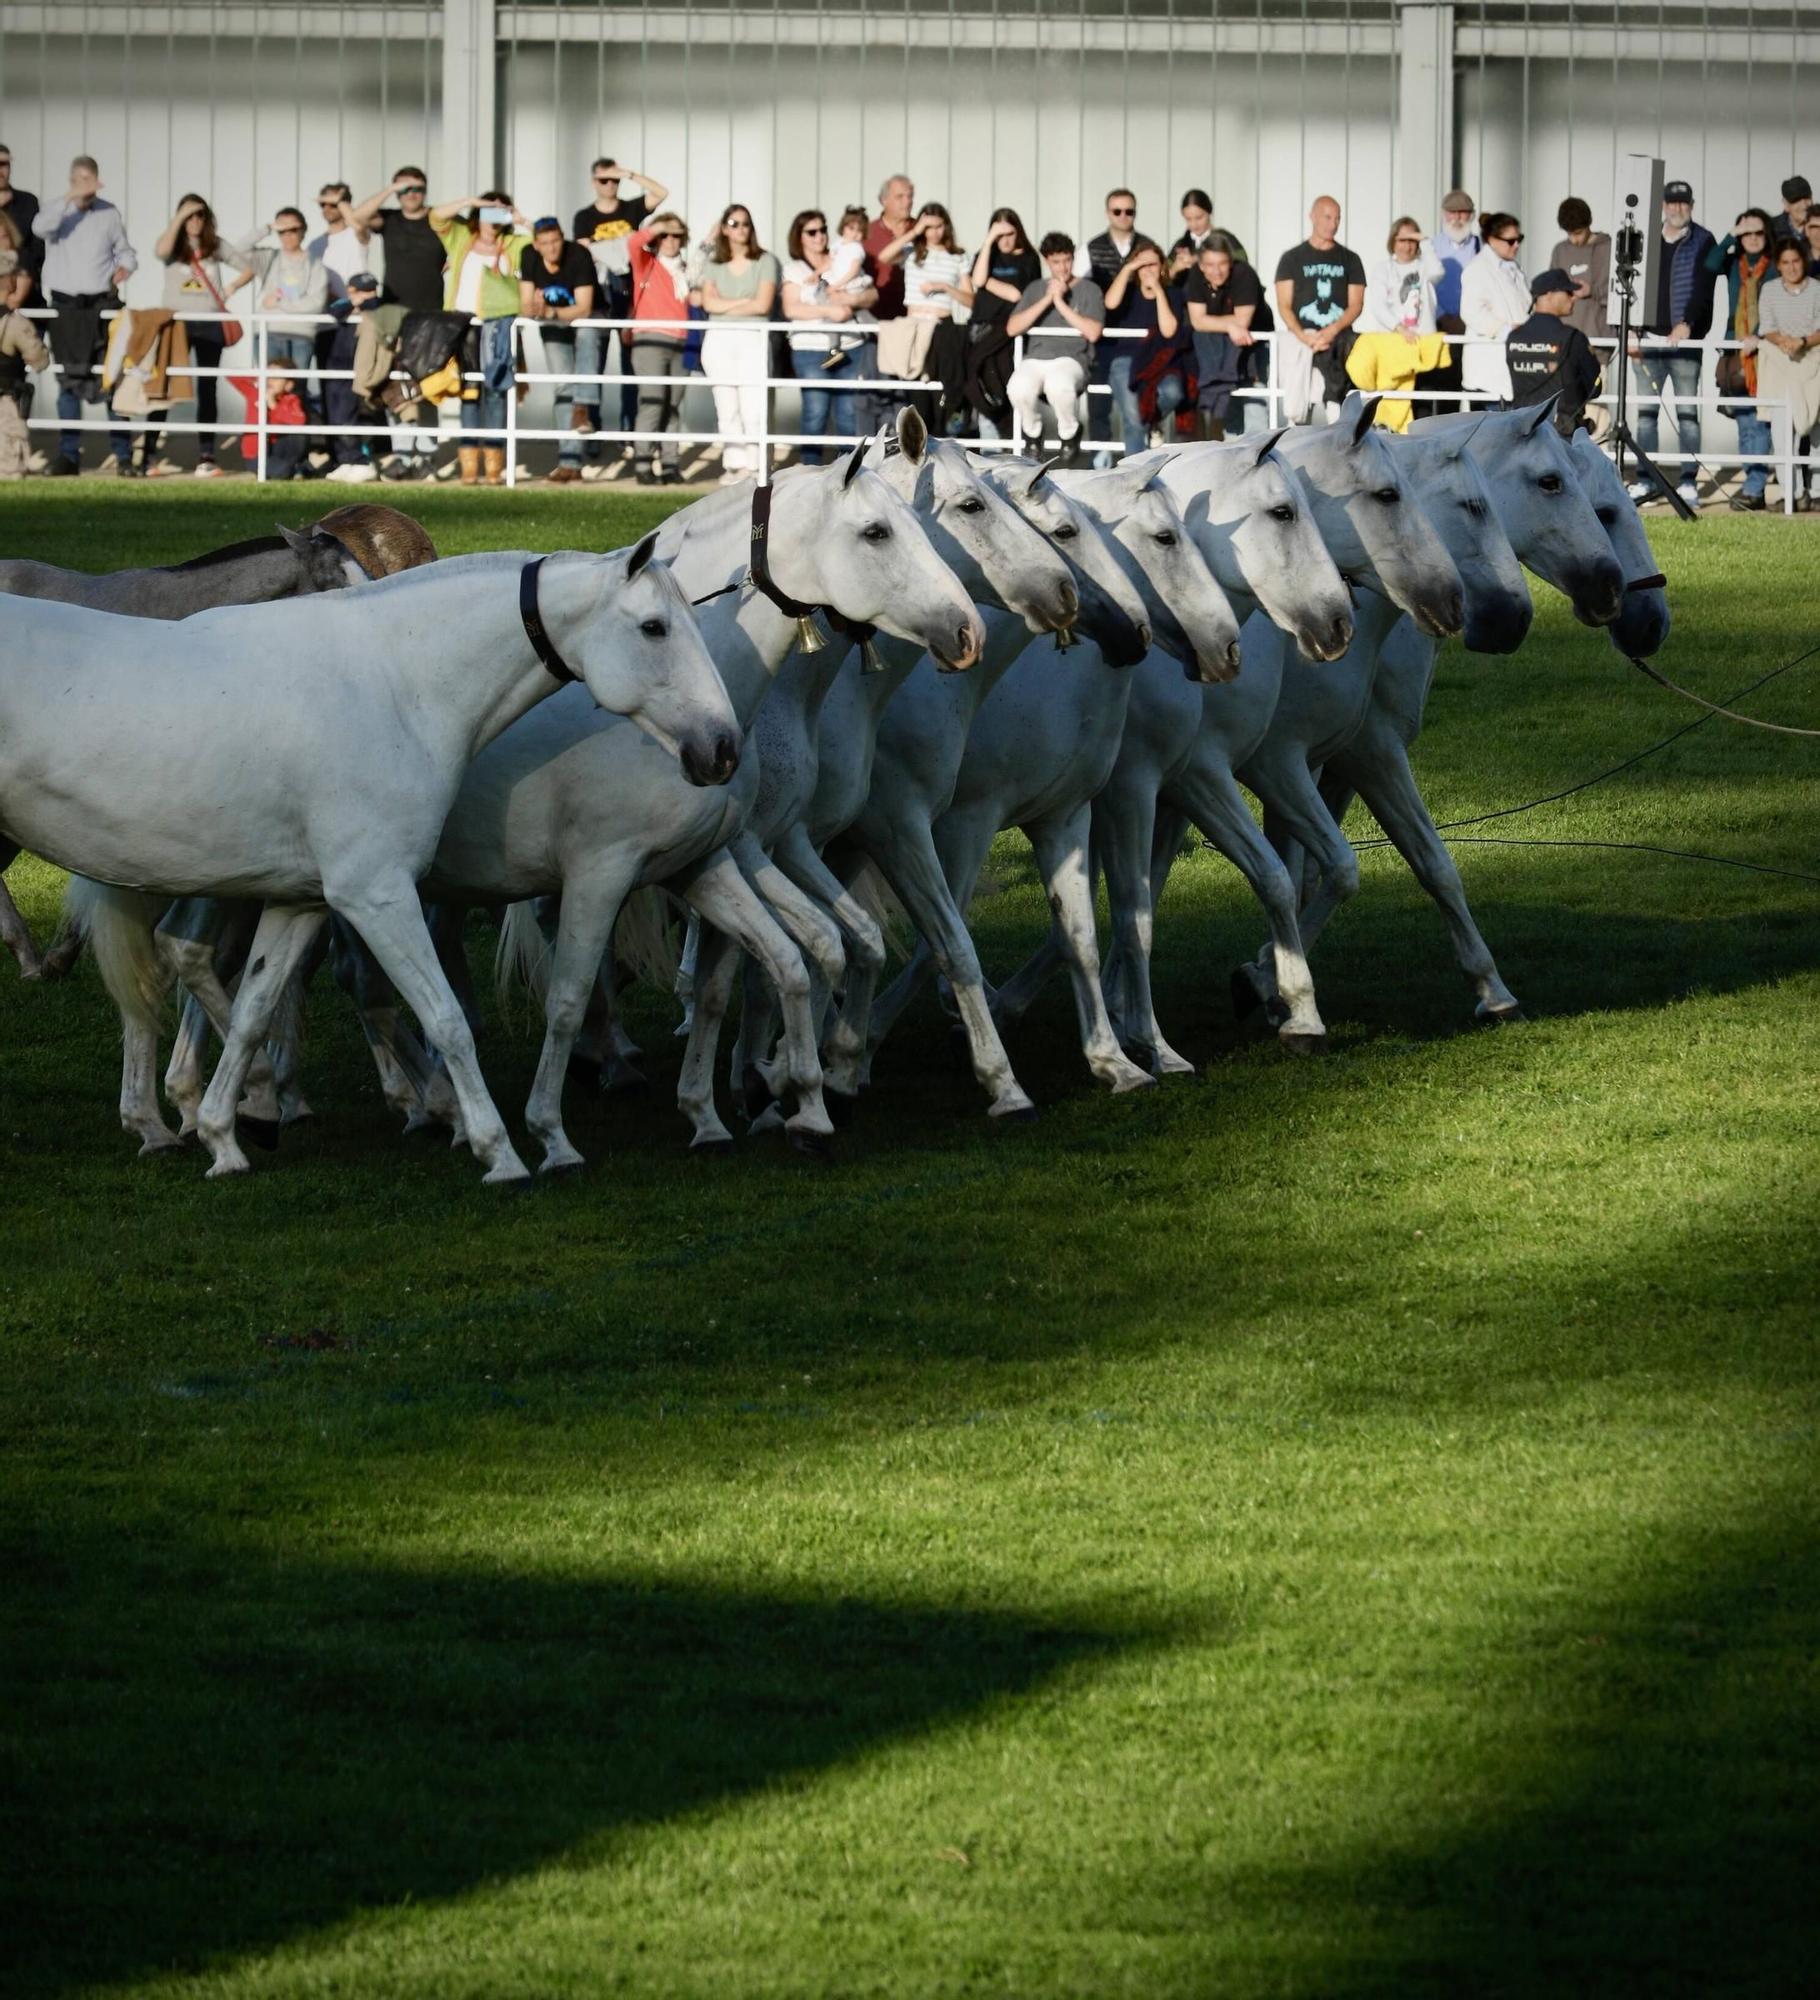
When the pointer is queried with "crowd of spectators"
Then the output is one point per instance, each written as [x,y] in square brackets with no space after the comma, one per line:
[393,304]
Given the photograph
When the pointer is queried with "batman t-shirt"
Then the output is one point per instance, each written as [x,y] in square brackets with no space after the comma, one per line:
[1320,279]
[603,237]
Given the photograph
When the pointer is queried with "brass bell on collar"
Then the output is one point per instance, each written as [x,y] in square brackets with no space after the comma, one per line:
[808,636]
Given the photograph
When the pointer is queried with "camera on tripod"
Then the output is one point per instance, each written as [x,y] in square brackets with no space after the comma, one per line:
[1636,238]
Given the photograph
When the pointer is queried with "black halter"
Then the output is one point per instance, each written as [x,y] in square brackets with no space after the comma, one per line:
[541,645]
[758,574]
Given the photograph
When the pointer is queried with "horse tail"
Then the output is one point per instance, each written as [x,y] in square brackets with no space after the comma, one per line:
[878,899]
[645,939]
[522,957]
[119,925]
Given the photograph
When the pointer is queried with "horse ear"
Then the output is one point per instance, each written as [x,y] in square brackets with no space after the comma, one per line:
[1368,408]
[1545,413]
[912,434]
[298,540]
[1270,444]
[641,555]
[1042,472]
[854,461]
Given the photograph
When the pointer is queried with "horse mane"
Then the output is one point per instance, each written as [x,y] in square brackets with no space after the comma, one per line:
[260,545]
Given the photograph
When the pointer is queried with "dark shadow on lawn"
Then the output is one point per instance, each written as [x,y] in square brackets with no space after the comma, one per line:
[209,1752]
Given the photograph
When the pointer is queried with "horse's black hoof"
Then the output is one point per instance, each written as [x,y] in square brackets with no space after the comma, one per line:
[812,1145]
[563,1170]
[260,1132]
[1026,1115]
[623,1079]
[711,1149]
[843,1110]
[1304,1045]
[1245,1001]
[1503,1017]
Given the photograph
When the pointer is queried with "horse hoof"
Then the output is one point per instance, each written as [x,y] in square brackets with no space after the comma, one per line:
[560,1170]
[1276,1010]
[813,1145]
[260,1132]
[162,1149]
[1503,1017]
[623,1079]
[712,1149]
[512,1184]
[288,1120]
[1245,1001]
[1025,1114]
[843,1109]
[1304,1045]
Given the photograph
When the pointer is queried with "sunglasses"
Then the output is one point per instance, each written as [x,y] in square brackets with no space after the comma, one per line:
[288,229]
[606,180]
[735,222]
[1409,243]
[1751,232]
[1121,211]
[413,187]
[1512,240]
[815,229]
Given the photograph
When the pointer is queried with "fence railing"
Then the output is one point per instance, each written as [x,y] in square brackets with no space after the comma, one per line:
[511,435]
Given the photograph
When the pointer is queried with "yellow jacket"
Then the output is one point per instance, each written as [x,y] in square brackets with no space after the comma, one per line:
[1389,361]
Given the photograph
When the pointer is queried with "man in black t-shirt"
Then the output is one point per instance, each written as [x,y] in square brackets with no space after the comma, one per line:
[601,228]
[555,288]
[1548,357]
[1320,293]
[1225,303]
[414,256]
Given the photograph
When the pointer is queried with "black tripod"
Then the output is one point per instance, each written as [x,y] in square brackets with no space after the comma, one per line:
[1627,256]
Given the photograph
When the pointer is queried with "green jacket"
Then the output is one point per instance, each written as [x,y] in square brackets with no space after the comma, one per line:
[498,295]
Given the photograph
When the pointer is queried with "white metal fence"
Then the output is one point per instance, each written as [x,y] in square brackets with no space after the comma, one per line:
[1784,461]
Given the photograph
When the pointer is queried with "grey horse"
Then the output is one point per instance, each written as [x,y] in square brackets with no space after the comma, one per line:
[351,545]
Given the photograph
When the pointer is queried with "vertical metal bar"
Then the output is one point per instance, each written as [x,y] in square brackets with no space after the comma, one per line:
[425,42]
[688,118]
[1483,101]
[1572,68]
[126,106]
[297,109]
[83,72]
[341,91]
[1302,95]
[776,87]
[1257,132]
[257,210]
[1346,118]
[907,93]
[1124,100]
[214,185]
[260,365]
[1523,129]
[1661,72]
[821,36]
[992,103]
[644,86]
[1750,92]
[950,94]
[1169,96]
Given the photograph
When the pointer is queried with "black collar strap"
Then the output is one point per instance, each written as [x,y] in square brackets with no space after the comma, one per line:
[534,627]
[762,581]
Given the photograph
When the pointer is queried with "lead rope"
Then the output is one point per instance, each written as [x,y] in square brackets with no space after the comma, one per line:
[1715,708]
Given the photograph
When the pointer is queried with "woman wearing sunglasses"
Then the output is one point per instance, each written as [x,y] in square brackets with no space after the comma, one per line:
[1494,298]
[660,306]
[740,284]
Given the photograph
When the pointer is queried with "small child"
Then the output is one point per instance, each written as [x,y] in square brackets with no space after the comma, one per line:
[285,422]
[20,349]
[846,272]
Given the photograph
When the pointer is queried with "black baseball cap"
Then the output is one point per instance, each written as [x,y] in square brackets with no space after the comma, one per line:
[363,281]
[1553,280]
[1678,191]
[1796,188]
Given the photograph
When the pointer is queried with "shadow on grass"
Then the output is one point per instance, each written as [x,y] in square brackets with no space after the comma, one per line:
[209,1751]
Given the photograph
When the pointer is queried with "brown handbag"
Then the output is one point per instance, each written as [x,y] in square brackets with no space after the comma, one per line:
[231,329]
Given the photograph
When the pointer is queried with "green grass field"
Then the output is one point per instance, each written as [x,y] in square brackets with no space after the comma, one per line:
[1325,1528]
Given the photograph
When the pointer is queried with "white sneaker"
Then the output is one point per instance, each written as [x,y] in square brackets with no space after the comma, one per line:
[206,468]
[37,463]
[1688,492]
[165,468]
[1641,490]
[355,473]
[594,470]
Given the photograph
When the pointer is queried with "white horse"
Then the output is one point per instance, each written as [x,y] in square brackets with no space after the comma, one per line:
[573,803]
[1044,741]
[919,742]
[307,754]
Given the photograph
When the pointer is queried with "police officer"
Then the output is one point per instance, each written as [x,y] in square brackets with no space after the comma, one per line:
[1548,357]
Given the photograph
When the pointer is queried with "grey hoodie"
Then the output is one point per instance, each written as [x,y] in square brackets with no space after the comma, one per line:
[1591,261]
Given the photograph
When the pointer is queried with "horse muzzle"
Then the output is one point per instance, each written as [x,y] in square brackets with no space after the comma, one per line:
[710,760]
[961,646]
[1597,594]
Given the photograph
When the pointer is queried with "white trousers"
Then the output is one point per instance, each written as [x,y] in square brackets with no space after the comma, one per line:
[735,364]
[1062,381]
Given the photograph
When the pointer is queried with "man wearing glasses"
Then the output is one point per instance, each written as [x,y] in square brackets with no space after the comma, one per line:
[1746,262]
[1105,258]
[602,229]
[1494,299]
[1667,353]
[414,255]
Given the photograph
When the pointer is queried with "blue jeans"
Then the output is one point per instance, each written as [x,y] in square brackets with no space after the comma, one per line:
[69,408]
[562,351]
[1681,371]
[487,412]
[834,392]
[1754,434]
[1125,400]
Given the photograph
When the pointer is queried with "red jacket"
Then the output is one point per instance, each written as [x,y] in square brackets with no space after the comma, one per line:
[654,293]
[288,411]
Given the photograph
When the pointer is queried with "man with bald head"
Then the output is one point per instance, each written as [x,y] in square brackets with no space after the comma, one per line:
[1320,293]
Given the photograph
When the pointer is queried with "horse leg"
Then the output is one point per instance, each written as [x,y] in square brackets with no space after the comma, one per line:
[716,961]
[731,909]
[914,871]
[584,929]
[284,934]
[805,921]
[286,1045]
[183,1078]
[846,1045]
[409,1080]
[1387,785]
[15,932]
[1220,811]
[192,962]
[1060,841]
[447,924]
[1122,824]
[1294,803]
[387,913]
